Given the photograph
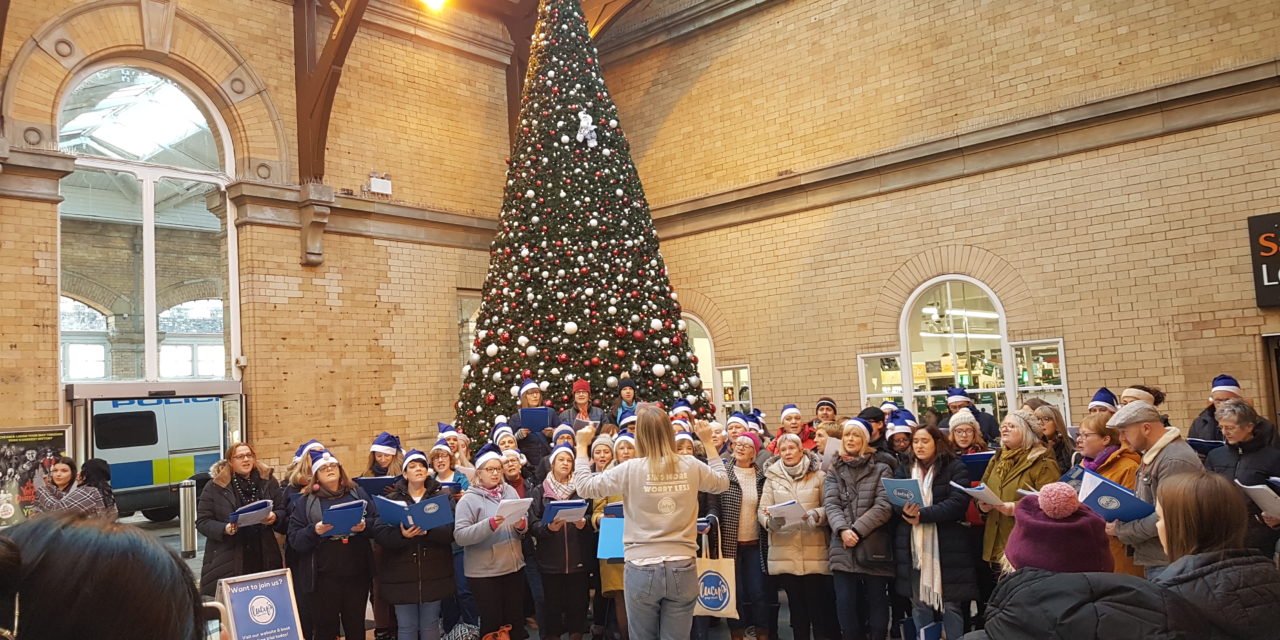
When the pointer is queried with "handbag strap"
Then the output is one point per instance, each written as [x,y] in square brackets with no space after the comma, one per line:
[706,552]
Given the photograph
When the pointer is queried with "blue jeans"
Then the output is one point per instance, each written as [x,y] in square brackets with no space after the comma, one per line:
[660,599]
[418,621]
[753,603]
[952,617]
[852,589]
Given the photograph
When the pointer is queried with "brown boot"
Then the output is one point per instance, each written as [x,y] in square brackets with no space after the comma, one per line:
[762,635]
[737,634]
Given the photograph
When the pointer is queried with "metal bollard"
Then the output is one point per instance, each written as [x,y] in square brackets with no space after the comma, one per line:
[187,516]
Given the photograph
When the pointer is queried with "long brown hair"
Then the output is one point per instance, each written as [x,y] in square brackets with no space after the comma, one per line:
[1060,433]
[1201,512]
[345,484]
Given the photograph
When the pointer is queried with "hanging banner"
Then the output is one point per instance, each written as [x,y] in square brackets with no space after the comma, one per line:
[1264,248]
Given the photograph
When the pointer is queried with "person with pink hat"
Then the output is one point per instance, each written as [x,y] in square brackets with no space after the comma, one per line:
[1054,532]
[741,536]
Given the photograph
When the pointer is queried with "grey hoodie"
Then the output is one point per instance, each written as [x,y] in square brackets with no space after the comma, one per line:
[486,553]
[661,513]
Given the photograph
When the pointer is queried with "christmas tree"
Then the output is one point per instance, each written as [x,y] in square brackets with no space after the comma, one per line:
[576,286]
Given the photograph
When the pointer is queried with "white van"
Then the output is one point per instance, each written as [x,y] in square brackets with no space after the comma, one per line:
[153,442]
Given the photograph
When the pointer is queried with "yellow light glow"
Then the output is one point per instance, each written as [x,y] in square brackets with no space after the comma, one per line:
[434,5]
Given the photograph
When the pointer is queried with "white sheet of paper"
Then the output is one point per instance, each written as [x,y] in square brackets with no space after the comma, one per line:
[253,517]
[571,515]
[513,510]
[1264,497]
[790,512]
[982,494]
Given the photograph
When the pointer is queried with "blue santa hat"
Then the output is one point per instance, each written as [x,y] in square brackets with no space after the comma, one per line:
[319,458]
[563,448]
[860,423]
[441,445]
[499,431]
[681,407]
[684,435]
[1104,399]
[446,430]
[625,435]
[385,443]
[561,430]
[956,394]
[755,420]
[681,423]
[414,454]
[888,407]
[788,409]
[628,418]
[307,446]
[1224,382]
[486,453]
[903,417]
[738,418]
[527,386]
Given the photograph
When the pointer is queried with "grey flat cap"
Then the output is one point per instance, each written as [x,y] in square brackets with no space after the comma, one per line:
[1135,412]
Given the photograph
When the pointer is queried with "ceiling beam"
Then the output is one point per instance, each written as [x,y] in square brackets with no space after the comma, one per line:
[609,13]
[520,25]
[316,75]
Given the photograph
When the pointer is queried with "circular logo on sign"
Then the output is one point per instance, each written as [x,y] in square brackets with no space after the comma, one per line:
[713,591]
[432,508]
[667,506]
[262,610]
[6,511]
[1108,502]
[902,494]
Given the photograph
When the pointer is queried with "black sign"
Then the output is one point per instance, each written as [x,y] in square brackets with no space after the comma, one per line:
[1264,247]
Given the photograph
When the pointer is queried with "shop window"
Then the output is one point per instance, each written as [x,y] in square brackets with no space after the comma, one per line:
[881,378]
[1042,373]
[956,339]
[735,391]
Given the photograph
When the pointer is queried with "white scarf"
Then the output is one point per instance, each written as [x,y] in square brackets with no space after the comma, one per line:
[924,545]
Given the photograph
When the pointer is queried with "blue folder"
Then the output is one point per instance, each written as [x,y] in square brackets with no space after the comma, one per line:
[610,547]
[452,487]
[613,510]
[537,418]
[902,492]
[343,517]
[1074,476]
[977,463]
[427,514]
[931,632]
[556,506]
[1112,501]
[376,486]
[252,507]
[1203,447]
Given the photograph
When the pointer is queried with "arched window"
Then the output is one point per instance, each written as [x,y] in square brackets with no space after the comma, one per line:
[84,340]
[143,221]
[191,344]
[953,335]
[702,347]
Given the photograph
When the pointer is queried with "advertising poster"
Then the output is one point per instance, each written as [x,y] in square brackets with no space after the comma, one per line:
[261,606]
[26,455]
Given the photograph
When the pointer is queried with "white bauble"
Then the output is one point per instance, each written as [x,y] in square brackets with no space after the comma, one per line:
[497,376]
[531,351]
[475,358]
[482,333]
[613,310]
[695,382]
[673,360]
[681,325]
[543,385]
[603,344]
[515,391]
[612,381]
[659,370]
[523,341]
[491,350]
[466,369]
[570,328]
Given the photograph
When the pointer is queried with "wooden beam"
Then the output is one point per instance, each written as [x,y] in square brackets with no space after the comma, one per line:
[520,25]
[316,76]
[609,13]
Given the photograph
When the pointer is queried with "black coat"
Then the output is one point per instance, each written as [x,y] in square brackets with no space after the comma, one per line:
[224,554]
[563,551]
[955,541]
[418,569]
[1205,427]
[1236,592]
[1251,463]
[1034,603]
[535,446]
[306,542]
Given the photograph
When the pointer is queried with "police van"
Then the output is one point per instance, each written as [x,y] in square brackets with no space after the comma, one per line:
[154,436]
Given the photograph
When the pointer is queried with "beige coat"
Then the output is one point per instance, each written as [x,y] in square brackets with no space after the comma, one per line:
[799,549]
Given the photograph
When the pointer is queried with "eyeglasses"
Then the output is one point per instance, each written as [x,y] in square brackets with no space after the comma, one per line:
[244,456]
[1083,435]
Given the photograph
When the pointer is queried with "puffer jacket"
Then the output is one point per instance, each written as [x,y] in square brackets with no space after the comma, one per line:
[224,554]
[955,551]
[797,548]
[1010,470]
[487,553]
[1170,455]
[1034,603]
[563,551]
[854,498]
[418,569]
[1251,462]
[1236,591]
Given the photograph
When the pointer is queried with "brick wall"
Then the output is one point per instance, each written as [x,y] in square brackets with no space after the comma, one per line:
[28,313]
[800,84]
[1135,255]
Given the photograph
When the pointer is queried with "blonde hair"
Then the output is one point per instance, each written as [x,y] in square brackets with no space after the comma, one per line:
[655,441]
[394,468]
[832,428]
[1022,420]
[866,437]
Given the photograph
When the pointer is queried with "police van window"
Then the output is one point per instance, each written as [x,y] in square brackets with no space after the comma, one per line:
[121,430]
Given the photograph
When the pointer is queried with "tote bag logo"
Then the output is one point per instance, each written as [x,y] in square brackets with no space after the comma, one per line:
[713,591]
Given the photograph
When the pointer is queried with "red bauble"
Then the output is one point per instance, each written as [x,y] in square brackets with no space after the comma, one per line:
[637,335]
[595,361]
[620,353]
[490,399]
[563,358]
[619,331]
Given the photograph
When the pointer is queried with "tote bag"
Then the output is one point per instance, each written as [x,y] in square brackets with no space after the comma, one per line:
[717,584]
